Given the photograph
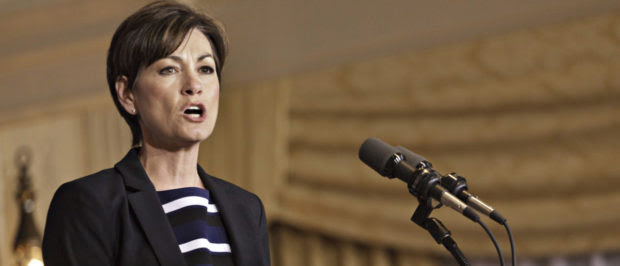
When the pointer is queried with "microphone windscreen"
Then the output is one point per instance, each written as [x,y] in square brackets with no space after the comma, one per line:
[376,154]
[411,158]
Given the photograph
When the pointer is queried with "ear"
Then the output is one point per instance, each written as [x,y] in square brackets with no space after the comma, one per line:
[125,95]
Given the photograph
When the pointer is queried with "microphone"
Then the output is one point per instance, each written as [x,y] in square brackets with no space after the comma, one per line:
[457,185]
[422,181]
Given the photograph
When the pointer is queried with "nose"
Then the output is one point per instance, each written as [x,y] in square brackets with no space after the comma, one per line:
[193,86]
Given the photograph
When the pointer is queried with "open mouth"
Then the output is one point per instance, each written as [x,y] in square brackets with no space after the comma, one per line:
[195,111]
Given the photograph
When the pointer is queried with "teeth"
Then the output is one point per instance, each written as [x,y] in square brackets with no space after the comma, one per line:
[193,111]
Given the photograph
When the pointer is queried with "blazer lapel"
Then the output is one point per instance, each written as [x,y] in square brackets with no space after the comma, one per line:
[237,226]
[145,203]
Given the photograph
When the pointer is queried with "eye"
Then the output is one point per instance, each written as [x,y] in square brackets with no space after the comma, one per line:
[206,69]
[168,70]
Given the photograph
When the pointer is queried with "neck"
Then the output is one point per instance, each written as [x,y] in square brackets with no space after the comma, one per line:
[170,169]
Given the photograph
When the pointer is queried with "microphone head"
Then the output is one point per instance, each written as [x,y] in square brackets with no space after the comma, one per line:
[411,158]
[376,154]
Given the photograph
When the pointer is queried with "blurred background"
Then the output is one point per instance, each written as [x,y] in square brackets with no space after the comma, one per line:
[521,97]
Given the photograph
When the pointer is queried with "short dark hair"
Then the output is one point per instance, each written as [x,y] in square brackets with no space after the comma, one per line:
[151,33]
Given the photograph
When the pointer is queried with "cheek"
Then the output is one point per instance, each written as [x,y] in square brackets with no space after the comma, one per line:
[214,103]
[215,85]
[149,94]
[214,96]
[155,105]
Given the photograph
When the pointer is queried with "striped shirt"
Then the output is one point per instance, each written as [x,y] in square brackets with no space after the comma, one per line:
[197,226]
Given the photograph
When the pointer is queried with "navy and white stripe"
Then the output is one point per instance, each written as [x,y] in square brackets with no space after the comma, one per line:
[197,225]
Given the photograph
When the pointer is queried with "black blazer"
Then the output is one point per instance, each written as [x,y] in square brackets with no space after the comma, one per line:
[114,217]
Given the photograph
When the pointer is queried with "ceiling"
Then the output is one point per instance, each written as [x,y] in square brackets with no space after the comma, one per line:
[56,48]
[276,37]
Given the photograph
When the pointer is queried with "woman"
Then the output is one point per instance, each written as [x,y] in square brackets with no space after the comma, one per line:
[157,206]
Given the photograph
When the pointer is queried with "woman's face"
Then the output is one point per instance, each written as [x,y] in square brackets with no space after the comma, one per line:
[177,97]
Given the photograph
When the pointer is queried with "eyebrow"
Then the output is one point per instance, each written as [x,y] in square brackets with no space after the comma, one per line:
[200,58]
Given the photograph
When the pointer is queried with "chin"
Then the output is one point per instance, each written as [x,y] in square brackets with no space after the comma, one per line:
[199,136]
[193,135]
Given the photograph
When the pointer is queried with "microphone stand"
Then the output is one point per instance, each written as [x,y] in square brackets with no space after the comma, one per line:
[419,187]
[438,231]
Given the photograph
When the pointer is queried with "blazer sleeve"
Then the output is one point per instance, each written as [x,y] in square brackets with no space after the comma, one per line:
[263,234]
[78,228]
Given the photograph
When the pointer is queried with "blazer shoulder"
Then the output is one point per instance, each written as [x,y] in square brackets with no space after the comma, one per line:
[101,177]
[82,221]
[104,185]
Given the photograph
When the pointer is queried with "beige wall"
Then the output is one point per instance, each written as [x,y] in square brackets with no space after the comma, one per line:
[531,118]
[69,139]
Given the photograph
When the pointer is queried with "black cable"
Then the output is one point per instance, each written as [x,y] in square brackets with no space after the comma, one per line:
[451,246]
[499,251]
[512,245]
